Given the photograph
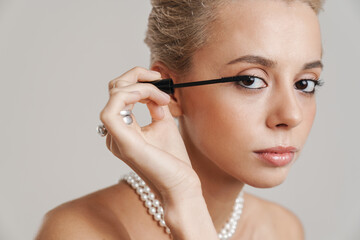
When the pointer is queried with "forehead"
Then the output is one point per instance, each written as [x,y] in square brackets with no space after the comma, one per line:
[272,28]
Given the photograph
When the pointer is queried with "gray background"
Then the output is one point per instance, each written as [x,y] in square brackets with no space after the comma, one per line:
[56,58]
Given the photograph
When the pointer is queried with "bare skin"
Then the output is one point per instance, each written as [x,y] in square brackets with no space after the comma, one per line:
[117,211]
[201,162]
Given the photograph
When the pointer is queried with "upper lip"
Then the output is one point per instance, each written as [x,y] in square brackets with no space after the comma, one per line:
[278,149]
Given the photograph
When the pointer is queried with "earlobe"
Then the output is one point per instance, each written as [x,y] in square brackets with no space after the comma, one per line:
[174,105]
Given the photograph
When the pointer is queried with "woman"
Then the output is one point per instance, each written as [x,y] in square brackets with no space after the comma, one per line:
[230,134]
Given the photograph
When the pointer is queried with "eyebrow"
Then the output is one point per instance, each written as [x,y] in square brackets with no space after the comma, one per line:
[271,63]
[315,64]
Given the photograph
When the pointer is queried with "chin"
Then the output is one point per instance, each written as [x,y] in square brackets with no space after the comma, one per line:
[267,178]
[264,184]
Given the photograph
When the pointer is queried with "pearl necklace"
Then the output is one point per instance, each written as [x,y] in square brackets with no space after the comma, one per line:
[157,211]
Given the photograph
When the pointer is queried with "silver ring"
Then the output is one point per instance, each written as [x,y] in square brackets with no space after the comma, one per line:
[128,120]
[127,116]
[102,131]
[125,113]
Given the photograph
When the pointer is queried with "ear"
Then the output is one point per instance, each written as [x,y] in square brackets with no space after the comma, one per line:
[175,104]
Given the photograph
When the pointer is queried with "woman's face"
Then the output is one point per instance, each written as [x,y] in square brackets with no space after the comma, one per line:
[228,123]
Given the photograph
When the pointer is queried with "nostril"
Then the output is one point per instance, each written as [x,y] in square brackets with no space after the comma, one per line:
[281,125]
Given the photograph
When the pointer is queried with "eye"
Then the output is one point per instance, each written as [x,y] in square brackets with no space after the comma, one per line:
[252,82]
[306,85]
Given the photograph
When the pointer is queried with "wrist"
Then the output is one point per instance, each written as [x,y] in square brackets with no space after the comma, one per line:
[187,191]
[189,219]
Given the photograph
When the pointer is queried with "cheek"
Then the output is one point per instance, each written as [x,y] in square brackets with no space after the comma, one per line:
[309,112]
[224,126]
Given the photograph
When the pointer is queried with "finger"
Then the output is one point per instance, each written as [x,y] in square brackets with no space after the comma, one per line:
[132,76]
[113,121]
[167,113]
[151,93]
[156,112]
[120,98]
[125,144]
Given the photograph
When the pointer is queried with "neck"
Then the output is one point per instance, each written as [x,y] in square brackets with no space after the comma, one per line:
[219,188]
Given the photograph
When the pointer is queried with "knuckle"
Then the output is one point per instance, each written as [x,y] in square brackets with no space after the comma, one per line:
[138,69]
[104,116]
[113,91]
[123,83]
[110,84]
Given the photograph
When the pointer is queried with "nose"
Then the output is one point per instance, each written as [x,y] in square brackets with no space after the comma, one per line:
[285,111]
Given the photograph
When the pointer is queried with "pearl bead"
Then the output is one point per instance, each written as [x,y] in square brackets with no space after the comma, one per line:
[148,203]
[146,189]
[157,216]
[235,225]
[156,203]
[151,195]
[239,200]
[237,206]
[227,226]
[139,190]
[152,211]
[144,197]
[157,211]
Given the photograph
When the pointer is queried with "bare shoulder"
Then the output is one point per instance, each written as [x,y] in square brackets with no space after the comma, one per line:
[277,219]
[89,217]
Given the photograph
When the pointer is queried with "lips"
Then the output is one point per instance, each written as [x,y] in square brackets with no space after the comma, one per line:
[279,149]
[277,156]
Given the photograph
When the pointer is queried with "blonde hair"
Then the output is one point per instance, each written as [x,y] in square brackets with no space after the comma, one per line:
[177,28]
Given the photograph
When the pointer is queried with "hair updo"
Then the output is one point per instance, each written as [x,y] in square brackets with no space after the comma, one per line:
[177,28]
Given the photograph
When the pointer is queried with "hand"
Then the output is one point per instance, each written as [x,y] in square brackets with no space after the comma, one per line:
[156,152]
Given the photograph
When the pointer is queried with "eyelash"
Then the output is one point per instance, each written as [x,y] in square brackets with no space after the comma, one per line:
[317,84]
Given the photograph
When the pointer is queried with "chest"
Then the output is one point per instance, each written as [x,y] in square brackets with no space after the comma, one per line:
[257,230]
[149,230]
